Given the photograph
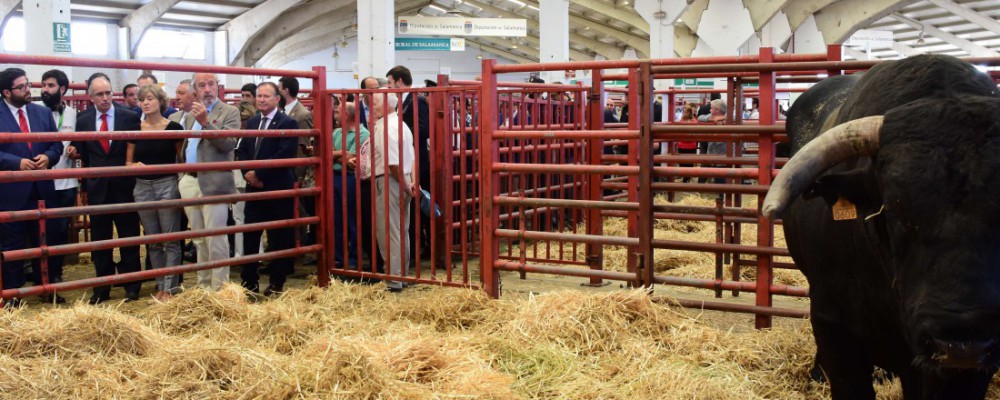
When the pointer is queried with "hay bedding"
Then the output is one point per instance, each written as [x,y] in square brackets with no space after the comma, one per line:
[356,342]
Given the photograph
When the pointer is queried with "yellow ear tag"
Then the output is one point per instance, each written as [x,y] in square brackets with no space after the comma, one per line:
[844,210]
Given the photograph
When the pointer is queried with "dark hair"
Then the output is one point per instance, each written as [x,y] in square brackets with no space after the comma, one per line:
[59,76]
[401,73]
[273,86]
[291,84]
[755,102]
[150,76]
[129,86]
[250,87]
[536,79]
[97,75]
[714,96]
[8,76]
[430,83]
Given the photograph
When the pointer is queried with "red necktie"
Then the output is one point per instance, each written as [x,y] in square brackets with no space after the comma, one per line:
[105,143]
[24,124]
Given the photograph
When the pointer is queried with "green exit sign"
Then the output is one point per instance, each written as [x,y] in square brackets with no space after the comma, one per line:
[61,39]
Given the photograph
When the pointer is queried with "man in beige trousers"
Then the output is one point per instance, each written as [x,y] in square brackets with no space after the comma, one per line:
[207,113]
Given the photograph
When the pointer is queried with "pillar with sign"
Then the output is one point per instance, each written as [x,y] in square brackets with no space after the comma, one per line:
[376,37]
[47,32]
[554,37]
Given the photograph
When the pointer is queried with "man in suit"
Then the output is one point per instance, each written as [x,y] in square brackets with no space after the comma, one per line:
[262,180]
[131,95]
[206,112]
[20,115]
[150,79]
[288,89]
[400,78]
[104,117]
[55,83]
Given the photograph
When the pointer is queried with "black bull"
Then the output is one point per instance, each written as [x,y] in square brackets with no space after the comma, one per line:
[912,284]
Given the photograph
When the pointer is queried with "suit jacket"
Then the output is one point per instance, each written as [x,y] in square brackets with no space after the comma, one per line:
[223,116]
[106,190]
[271,148]
[423,134]
[17,194]
[304,118]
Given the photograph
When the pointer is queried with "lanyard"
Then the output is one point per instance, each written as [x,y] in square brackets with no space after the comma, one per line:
[60,121]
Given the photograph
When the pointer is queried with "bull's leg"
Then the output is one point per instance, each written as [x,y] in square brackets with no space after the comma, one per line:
[950,385]
[843,361]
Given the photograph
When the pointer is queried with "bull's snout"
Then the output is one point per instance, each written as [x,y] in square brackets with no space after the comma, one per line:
[964,354]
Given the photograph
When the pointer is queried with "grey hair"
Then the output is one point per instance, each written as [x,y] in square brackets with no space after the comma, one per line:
[350,110]
[721,105]
[185,82]
[382,82]
[90,85]
[194,77]
[389,98]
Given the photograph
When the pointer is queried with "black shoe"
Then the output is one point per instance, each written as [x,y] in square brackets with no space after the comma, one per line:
[251,287]
[52,298]
[272,290]
[131,296]
[97,299]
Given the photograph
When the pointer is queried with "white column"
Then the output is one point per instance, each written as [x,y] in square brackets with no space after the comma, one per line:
[376,37]
[661,16]
[45,23]
[554,35]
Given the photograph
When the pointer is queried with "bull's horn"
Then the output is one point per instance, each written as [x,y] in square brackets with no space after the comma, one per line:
[845,141]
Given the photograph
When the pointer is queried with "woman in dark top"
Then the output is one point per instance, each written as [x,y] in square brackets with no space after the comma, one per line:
[153,187]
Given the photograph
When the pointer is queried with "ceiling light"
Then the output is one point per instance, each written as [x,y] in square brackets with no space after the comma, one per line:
[514,46]
[436,8]
[479,56]
[517,3]
[920,40]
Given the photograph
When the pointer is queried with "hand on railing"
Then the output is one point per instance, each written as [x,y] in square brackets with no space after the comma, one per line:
[135,164]
[72,153]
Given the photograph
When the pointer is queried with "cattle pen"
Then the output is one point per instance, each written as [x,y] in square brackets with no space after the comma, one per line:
[531,182]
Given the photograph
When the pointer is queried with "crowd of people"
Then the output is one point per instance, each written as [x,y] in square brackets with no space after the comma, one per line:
[385,164]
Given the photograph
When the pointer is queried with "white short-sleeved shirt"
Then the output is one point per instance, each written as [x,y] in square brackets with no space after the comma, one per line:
[65,123]
[386,147]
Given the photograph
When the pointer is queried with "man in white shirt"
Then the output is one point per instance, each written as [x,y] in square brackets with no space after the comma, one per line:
[394,179]
[55,83]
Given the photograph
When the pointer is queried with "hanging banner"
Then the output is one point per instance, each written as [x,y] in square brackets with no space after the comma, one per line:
[430,44]
[459,26]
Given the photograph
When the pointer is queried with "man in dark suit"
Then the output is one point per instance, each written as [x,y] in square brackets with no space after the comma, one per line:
[20,115]
[400,78]
[104,117]
[263,180]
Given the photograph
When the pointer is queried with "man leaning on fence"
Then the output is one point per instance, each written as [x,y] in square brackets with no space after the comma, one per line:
[19,115]
[208,113]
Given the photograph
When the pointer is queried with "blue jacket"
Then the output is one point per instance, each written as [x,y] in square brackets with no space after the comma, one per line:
[17,194]
[271,148]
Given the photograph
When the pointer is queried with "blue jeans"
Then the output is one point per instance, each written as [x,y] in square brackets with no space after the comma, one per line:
[345,188]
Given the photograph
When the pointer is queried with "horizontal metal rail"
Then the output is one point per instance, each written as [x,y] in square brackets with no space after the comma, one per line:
[147,135]
[104,172]
[18,59]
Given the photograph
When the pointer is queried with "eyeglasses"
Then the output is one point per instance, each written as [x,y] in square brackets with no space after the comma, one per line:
[23,87]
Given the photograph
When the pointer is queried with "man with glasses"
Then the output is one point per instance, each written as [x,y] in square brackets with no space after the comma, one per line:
[105,116]
[208,113]
[20,115]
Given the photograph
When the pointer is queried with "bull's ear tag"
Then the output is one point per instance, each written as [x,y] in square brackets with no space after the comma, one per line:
[844,210]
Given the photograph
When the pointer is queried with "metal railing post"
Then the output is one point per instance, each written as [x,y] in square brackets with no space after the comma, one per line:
[323,118]
[489,151]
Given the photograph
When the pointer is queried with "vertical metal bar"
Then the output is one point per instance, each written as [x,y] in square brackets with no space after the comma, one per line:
[765,165]
[43,261]
[323,117]
[489,151]
[719,239]
[595,149]
[632,261]
[645,94]
[834,52]
[296,203]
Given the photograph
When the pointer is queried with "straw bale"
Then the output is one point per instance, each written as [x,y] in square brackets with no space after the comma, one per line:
[198,310]
[75,332]
[447,309]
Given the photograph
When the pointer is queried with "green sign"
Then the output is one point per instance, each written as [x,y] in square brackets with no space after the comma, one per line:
[61,37]
[430,44]
[694,82]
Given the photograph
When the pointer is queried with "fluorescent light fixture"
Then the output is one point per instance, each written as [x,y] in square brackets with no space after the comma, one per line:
[436,8]
[517,3]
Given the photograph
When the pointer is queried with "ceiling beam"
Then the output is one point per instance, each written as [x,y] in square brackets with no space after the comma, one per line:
[692,16]
[684,41]
[293,21]
[798,10]
[139,20]
[226,3]
[988,23]
[839,20]
[303,43]
[904,50]
[641,45]
[242,28]
[855,54]
[616,13]
[6,6]
[973,49]
[761,11]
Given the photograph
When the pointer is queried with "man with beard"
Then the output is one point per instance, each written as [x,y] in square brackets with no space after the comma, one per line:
[20,115]
[55,83]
